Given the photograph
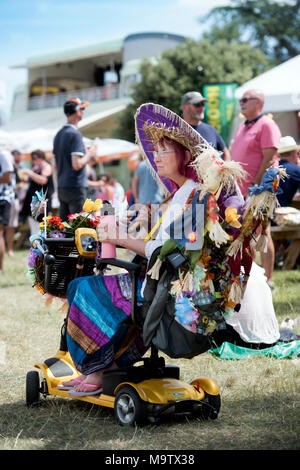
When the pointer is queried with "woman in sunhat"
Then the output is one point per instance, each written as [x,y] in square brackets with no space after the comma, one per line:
[100,304]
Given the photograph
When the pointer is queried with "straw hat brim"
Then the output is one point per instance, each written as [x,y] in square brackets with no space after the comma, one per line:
[152,122]
[289,148]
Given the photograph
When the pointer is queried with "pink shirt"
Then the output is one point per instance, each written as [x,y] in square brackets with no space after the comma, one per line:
[248,144]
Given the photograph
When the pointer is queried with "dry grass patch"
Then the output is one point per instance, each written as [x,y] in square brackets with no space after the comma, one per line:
[260,397]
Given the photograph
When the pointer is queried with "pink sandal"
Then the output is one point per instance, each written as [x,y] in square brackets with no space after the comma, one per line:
[70,384]
[91,390]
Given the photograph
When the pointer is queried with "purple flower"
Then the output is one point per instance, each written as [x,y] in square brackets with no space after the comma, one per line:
[33,255]
[57,234]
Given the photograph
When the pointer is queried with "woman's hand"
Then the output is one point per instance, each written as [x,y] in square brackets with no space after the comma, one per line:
[111,234]
[106,232]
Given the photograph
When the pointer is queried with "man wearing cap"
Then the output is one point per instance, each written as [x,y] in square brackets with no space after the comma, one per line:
[71,159]
[255,146]
[289,153]
[193,104]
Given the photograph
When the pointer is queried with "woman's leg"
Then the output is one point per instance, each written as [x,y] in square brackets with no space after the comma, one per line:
[131,354]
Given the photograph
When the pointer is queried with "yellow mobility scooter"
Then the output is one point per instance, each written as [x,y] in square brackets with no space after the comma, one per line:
[138,394]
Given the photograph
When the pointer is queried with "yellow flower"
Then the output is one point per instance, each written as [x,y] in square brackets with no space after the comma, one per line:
[232,217]
[97,205]
[88,206]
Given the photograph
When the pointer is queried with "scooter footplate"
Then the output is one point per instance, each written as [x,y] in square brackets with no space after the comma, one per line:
[58,368]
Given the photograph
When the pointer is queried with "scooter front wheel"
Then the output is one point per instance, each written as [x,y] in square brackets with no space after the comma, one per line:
[32,388]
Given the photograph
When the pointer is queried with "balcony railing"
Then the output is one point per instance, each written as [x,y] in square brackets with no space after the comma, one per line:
[95,94]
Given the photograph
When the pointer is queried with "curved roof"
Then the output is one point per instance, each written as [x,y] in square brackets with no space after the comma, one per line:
[161,35]
[68,55]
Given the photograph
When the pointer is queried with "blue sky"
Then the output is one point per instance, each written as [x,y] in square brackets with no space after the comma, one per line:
[34,27]
[30,27]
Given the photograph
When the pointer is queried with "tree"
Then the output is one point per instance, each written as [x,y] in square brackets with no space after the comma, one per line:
[269,25]
[188,67]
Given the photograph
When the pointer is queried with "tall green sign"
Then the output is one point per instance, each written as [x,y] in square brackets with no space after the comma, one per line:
[219,110]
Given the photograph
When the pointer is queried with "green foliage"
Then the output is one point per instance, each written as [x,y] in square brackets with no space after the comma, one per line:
[188,67]
[270,25]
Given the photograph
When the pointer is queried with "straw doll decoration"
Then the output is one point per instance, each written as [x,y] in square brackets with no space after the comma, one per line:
[217,176]
[259,208]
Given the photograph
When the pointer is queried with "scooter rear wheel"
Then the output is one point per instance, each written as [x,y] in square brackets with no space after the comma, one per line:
[129,408]
[211,406]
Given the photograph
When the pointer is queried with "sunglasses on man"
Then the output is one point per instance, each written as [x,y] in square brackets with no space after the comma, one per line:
[245,100]
[199,105]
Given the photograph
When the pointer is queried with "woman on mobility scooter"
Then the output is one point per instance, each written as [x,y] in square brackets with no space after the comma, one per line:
[215,245]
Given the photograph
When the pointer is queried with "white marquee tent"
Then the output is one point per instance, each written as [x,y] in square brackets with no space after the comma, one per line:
[280,85]
[27,141]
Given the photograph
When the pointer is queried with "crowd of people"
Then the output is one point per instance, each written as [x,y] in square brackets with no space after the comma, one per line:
[74,173]
[71,174]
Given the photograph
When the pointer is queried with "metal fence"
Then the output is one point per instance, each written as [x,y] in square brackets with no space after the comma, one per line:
[95,94]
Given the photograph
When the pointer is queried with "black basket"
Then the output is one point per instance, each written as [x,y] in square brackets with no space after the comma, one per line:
[62,267]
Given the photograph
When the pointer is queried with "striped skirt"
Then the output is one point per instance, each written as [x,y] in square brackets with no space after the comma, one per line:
[97,331]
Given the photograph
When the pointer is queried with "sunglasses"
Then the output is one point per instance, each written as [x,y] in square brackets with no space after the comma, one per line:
[245,100]
[199,105]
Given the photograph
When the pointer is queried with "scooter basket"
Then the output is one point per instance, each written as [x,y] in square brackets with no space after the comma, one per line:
[62,264]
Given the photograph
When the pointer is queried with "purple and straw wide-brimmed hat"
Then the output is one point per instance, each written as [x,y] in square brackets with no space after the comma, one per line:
[152,122]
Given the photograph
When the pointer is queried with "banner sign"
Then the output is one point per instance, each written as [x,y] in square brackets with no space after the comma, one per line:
[219,110]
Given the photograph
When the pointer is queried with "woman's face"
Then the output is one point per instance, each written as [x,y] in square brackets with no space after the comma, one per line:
[36,161]
[165,159]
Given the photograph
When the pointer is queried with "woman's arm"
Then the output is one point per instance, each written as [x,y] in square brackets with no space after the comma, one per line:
[41,179]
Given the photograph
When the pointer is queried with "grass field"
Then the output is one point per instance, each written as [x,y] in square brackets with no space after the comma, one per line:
[260,397]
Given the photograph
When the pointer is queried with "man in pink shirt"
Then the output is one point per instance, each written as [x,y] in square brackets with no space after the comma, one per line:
[255,146]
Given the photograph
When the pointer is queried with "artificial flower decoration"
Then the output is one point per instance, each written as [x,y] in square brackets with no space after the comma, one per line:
[53,224]
[90,206]
[232,217]
[275,184]
[97,205]
[216,233]
[192,236]
[82,219]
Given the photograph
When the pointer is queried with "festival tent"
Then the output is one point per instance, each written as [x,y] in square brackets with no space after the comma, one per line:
[107,149]
[114,149]
[281,87]
[27,141]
